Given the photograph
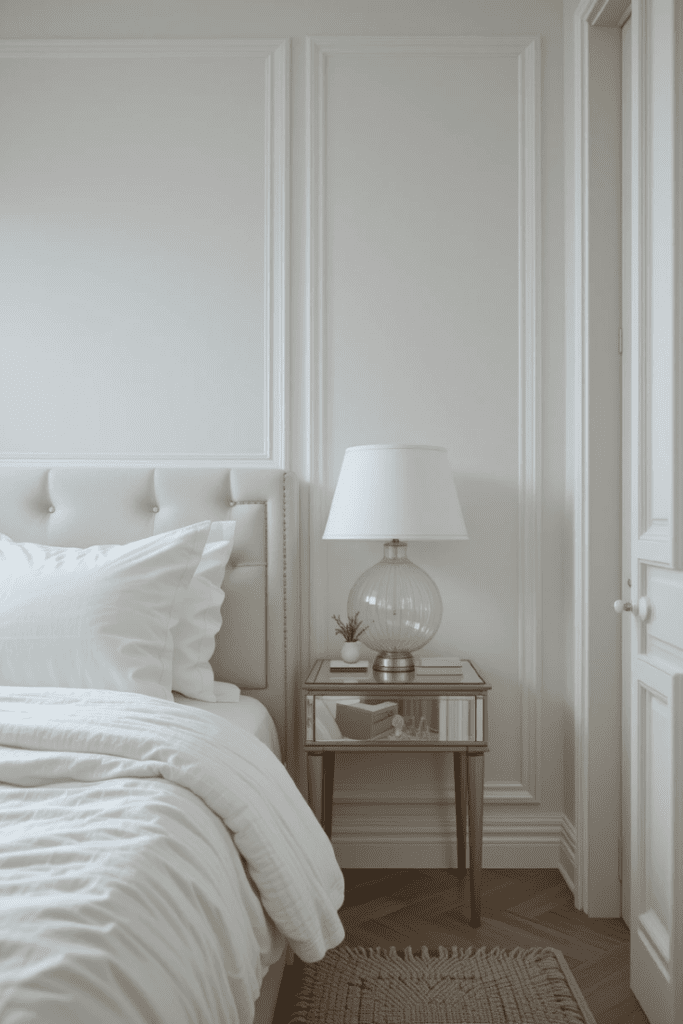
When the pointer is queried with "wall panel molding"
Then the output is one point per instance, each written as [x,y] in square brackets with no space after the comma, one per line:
[594,306]
[494,793]
[367,838]
[527,52]
[276,70]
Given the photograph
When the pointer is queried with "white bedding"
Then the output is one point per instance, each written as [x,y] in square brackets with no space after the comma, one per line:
[123,895]
[247,712]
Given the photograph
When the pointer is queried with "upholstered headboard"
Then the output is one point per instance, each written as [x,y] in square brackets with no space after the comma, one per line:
[258,644]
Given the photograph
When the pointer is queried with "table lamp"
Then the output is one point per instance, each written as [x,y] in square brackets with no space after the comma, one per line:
[395,493]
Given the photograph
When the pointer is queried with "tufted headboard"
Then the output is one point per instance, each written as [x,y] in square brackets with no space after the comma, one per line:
[258,644]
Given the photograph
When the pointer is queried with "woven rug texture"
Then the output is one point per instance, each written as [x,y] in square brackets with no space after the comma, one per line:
[453,986]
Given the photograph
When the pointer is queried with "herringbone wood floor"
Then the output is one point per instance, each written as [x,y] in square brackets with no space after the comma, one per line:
[528,907]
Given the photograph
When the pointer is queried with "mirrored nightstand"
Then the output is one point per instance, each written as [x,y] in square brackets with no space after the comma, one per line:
[355,710]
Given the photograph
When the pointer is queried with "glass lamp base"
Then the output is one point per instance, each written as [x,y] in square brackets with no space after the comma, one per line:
[400,607]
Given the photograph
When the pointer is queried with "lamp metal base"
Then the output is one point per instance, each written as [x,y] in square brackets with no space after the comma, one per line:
[397,661]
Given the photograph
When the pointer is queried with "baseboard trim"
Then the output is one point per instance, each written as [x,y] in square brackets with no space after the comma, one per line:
[568,880]
[567,861]
[414,840]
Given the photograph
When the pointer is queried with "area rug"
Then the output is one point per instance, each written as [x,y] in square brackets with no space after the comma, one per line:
[452,986]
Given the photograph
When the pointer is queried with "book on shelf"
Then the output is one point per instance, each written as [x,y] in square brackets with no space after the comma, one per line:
[337,665]
[455,718]
[365,721]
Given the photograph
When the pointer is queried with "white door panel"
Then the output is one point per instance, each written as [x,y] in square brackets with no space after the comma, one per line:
[652,527]
[656,423]
[652,831]
[652,899]
[626,587]
[661,639]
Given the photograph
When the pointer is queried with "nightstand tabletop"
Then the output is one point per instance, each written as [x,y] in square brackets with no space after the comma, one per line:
[322,677]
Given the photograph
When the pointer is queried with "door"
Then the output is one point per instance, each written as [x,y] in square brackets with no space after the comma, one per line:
[626,583]
[654,627]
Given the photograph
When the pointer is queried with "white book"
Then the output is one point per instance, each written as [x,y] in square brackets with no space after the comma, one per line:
[377,707]
[332,701]
[435,670]
[460,727]
[453,720]
[443,718]
[440,662]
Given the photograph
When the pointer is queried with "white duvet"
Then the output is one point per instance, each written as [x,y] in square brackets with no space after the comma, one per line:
[123,896]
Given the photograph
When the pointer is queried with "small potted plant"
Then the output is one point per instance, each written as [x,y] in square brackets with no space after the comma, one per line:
[351,631]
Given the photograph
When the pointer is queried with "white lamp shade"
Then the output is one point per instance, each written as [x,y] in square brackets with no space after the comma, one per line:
[388,491]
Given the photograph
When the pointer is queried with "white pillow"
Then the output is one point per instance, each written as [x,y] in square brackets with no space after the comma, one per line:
[227,693]
[98,617]
[194,636]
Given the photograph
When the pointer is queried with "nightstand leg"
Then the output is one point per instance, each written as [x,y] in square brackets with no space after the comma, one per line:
[460,809]
[314,766]
[328,790]
[475,793]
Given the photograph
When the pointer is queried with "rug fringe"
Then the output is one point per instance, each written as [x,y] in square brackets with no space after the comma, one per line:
[523,953]
[304,1004]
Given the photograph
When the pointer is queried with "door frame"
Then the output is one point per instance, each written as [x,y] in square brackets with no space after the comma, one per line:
[594,434]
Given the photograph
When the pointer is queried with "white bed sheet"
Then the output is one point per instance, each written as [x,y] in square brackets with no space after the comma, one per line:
[248,712]
[124,895]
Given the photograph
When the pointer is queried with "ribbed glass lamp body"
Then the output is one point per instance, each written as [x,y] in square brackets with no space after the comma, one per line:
[398,602]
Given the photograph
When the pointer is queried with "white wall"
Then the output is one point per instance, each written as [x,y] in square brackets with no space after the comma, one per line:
[135,249]
[146,197]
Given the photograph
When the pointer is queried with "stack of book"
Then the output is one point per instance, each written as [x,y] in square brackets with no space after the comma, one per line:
[365,721]
[439,666]
[456,718]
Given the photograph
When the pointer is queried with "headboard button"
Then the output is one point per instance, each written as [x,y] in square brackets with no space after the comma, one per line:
[51,508]
[155,508]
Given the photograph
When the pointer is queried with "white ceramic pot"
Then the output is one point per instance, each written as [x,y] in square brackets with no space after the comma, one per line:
[350,652]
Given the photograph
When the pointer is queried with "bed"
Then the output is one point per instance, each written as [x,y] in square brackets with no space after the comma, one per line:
[157,860]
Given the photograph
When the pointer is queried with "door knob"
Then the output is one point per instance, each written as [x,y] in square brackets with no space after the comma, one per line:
[641,610]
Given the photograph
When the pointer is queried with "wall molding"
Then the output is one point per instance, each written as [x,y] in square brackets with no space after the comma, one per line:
[594,668]
[567,861]
[527,52]
[276,54]
[494,793]
[416,838]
